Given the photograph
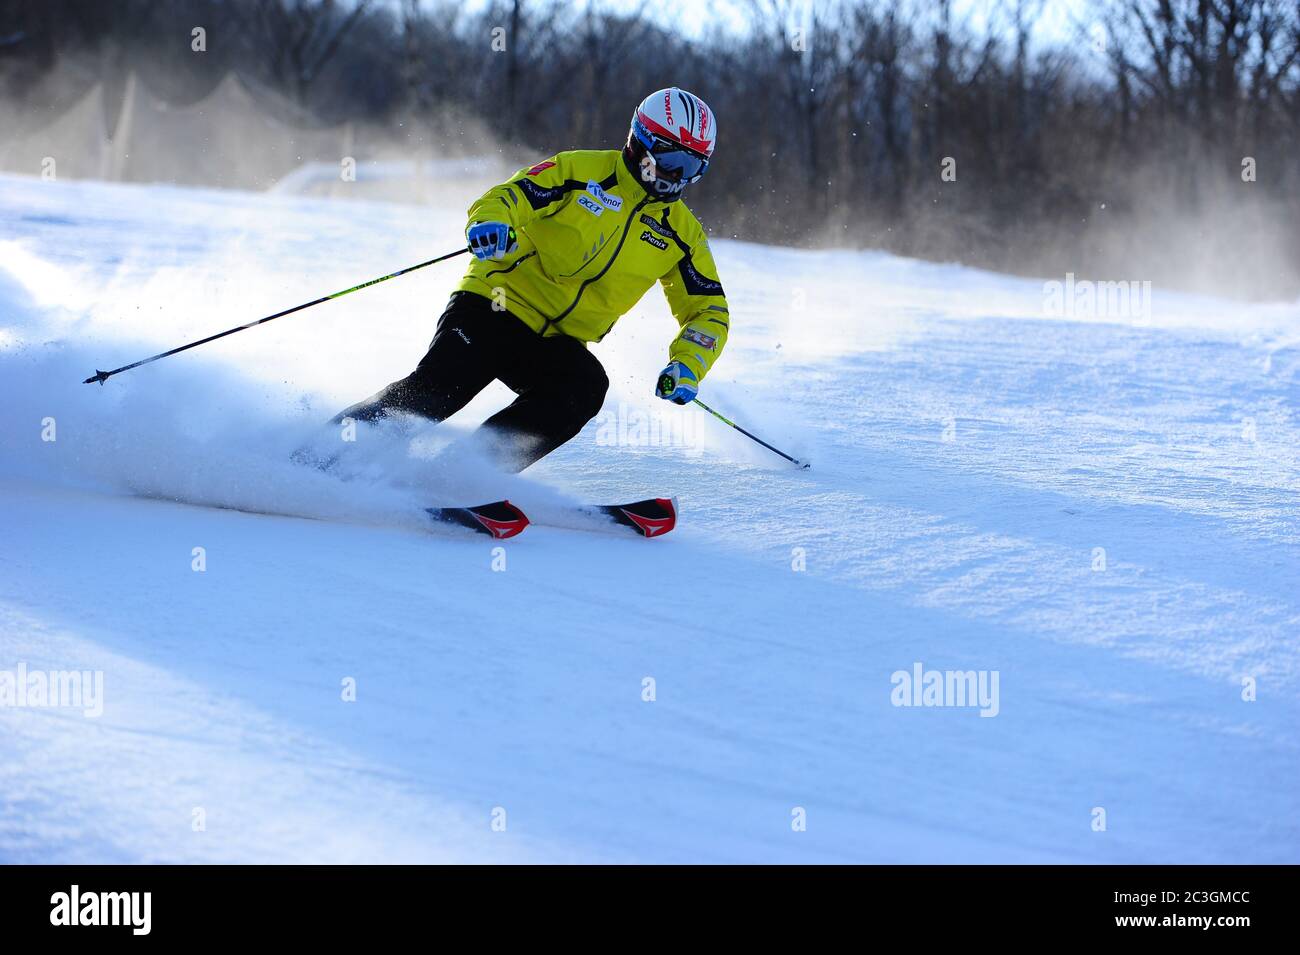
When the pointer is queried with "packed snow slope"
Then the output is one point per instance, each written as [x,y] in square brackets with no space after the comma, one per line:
[1102,512]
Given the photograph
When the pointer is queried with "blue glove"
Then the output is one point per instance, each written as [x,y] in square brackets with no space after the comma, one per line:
[491,240]
[677,383]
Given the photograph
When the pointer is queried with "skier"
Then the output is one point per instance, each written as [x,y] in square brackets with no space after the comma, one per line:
[562,250]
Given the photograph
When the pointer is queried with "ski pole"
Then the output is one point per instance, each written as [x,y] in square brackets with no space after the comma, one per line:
[103,376]
[753,437]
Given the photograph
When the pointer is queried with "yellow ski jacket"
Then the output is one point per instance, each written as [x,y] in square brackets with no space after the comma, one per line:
[591,242]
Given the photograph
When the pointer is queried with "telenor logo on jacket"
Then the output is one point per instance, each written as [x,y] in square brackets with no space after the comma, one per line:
[613,203]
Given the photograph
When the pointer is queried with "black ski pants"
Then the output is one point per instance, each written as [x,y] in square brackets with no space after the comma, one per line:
[560,384]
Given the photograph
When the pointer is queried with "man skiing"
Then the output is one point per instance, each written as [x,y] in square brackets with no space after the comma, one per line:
[562,250]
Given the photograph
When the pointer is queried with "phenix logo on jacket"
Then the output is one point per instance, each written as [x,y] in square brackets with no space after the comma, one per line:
[591,242]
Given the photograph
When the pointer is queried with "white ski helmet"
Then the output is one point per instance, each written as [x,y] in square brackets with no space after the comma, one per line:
[671,141]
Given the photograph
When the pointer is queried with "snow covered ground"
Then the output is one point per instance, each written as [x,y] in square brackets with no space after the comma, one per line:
[1100,512]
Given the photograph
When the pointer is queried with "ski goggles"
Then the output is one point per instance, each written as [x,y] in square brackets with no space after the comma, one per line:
[674,161]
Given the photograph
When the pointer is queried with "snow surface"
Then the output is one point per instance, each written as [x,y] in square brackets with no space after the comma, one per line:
[970,455]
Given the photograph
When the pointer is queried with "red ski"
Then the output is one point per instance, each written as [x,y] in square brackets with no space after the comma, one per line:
[500,519]
[653,517]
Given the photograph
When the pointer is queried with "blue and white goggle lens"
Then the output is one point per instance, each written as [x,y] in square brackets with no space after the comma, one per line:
[674,162]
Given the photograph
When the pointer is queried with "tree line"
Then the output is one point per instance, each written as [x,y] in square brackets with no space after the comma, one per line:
[1144,139]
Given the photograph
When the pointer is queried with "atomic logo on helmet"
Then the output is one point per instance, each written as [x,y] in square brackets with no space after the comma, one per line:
[671,141]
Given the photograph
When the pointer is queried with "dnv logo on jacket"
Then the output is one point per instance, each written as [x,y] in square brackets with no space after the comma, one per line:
[591,242]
